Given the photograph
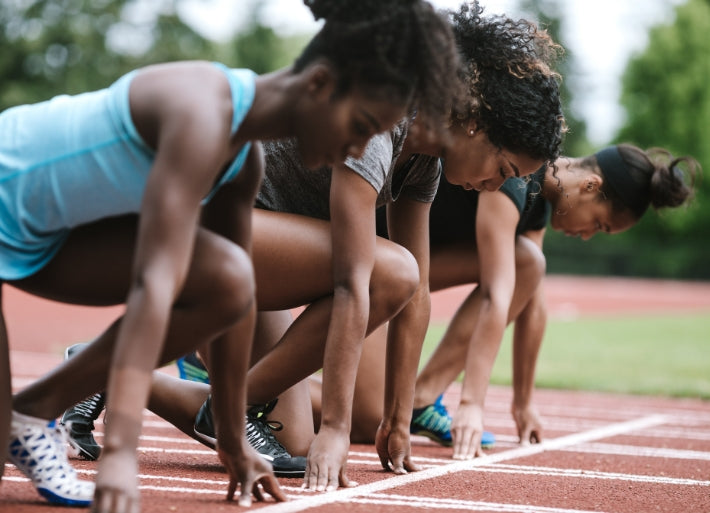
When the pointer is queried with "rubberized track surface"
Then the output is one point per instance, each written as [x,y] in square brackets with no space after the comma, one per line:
[602,452]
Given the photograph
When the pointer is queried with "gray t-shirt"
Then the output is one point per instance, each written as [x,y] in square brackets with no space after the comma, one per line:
[289,187]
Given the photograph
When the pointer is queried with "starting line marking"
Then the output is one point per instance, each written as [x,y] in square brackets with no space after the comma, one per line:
[382,499]
[458,466]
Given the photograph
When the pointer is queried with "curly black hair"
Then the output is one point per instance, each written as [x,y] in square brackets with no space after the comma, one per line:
[513,90]
[401,50]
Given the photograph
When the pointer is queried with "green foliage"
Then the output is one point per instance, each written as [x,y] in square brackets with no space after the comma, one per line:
[52,47]
[667,100]
[71,46]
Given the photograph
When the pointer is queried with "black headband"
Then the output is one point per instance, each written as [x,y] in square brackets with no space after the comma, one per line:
[632,194]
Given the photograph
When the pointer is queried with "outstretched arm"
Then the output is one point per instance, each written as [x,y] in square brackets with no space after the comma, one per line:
[192,142]
[496,220]
[527,339]
[352,209]
[408,225]
[229,214]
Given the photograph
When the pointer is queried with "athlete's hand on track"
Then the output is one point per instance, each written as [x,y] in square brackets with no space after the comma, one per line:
[394,447]
[248,469]
[466,431]
[327,460]
[117,482]
[528,423]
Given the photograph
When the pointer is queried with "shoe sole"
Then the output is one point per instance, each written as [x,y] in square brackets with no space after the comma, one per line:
[290,473]
[63,501]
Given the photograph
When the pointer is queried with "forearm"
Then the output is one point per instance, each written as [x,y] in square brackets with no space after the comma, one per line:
[346,332]
[527,339]
[229,357]
[482,351]
[405,339]
[138,347]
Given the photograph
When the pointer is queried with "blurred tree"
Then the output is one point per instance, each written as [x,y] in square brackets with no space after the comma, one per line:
[70,46]
[547,14]
[666,97]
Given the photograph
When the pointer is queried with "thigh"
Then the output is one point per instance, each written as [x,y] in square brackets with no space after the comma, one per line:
[454,265]
[94,265]
[293,259]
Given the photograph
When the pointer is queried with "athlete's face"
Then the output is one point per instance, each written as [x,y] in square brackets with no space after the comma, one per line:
[583,212]
[333,127]
[473,162]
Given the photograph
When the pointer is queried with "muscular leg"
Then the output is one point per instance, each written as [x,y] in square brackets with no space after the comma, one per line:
[177,401]
[458,266]
[451,266]
[369,399]
[293,409]
[293,266]
[93,268]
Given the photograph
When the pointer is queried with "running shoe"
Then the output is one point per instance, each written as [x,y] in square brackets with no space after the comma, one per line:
[38,448]
[259,435]
[192,369]
[434,422]
[79,419]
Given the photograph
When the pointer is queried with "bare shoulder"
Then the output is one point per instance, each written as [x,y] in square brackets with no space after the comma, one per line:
[185,92]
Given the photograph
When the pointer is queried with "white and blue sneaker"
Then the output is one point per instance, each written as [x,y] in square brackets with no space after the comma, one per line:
[38,448]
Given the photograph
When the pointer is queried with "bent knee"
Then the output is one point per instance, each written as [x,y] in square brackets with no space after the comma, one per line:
[395,277]
[235,286]
[530,261]
[223,282]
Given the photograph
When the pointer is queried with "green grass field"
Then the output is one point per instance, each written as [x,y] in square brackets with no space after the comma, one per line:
[650,355]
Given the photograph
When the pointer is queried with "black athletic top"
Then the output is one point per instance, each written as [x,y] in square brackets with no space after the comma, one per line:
[453,212]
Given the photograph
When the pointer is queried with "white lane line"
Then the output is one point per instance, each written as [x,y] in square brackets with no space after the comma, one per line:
[632,450]
[381,499]
[458,466]
[590,474]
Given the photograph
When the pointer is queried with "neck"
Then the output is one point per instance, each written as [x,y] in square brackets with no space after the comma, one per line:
[271,115]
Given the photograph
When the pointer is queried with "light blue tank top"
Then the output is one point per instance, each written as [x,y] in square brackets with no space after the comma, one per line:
[73,160]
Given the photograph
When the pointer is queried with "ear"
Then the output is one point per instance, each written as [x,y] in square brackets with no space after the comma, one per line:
[320,79]
[591,183]
[471,127]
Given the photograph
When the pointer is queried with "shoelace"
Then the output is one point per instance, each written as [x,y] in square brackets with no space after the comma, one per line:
[259,430]
[436,418]
[91,407]
[48,450]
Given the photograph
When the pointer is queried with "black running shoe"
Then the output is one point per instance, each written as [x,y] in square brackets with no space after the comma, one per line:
[79,419]
[259,435]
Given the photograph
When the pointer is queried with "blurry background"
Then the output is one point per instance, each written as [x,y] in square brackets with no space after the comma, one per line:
[631,74]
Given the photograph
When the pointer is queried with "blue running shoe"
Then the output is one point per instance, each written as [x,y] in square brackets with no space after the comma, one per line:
[191,368]
[434,422]
[38,448]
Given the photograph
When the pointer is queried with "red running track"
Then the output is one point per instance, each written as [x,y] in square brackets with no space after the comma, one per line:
[610,453]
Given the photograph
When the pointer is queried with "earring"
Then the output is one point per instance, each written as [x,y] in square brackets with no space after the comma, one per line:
[471,132]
